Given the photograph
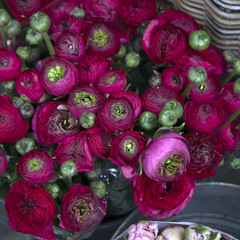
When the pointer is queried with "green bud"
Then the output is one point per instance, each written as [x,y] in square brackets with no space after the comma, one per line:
[33,37]
[78,13]
[9,85]
[87,120]
[17,102]
[168,117]
[68,169]
[229,56]
[132,59]
[197,75]
[53,189]
[236,163]
[40,22]
[23,53]
[98,188]
[4,18]
[122,52]
[25,145]
[236,66]
[173,104]
[148,120]
[35,54]
[26,110]
[236,86]
[13,29]
[199,40]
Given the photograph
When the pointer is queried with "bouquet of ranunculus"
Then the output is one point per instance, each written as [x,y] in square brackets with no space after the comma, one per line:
[94,90]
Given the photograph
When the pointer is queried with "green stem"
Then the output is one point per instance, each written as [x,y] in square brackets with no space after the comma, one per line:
[14,42]
[229,77]
[48,43]
[3,36]
[68,181]
[187,90]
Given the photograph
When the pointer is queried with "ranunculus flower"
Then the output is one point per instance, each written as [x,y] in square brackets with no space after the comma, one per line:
[52,122]
[70,45]
[166,157]
[154,99]
[134,12]
[84,99]
[205,152]
[92,66]
[58,76]
[116,114]
[164,42]
[126,149]
[12,126]
[156,199]
[133,98]
[204,116]
[81,210]
[112,81]
[229,136]
[3,161]
[28,85]
[99,142]
[36,166]
[10,65]
[30,210]
[76,149]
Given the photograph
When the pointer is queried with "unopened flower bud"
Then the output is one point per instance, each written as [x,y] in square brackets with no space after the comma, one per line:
[40,22]
[78,13]
[26,110]
[132,59]
[25,145]
[23,53]
[236,86]
[87,120]
[68,169]
[168,117]
[148,121]
[99,188]
[173,233]
[236,163]
[196,231]
[122,52]
[53,189]
[33,37]
[199,40]
[9,85]
[197,75]
[13,29]
[17,102]
[229,56]
[4,17]
[173,104]
[236,66]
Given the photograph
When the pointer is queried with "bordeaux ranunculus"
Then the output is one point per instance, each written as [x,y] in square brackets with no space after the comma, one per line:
[52,122]
[84,99]
[134,12]
[76,149]
[36,166]
[30,210]
[164,42]
[166,157]
[205,152]
[81,210]
[3,161]
[12,126]
[156,199]
[154,99]
[92,66]
[70,45]
[112,81]
[204,116]
[58,76]
[229,136]
[116,114]
[126,148]
[10,65]
[28,85]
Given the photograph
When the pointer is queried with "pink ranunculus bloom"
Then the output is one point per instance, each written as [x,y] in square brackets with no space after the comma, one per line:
[36,166]
[81,210]
[52,122]
[126,148]
[3,161]
[29,85]
[84,99]
[70,45]
[159,200]
[10,65]
[205,153]
[204,116]
[12,126]
[166,157]
[58,76]
[30,210]
[75,148]
[92,66]
[112,81]
[154,99]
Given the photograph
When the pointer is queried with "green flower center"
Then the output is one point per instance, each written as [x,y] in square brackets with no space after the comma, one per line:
[175,80]
[84,98]
[56,73]
[34,164]
[70,46]
[81,211]
[111,79]
[129,147]
[118,110]
[100,38]
[202,87]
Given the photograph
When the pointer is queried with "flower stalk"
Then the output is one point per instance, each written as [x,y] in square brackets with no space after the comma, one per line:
[48,43]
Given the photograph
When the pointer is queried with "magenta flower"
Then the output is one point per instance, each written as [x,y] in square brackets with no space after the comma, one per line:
[36,166]
[84,99]
[58,76]
[166,157]
[76,149]
[3,161]
[28,85]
